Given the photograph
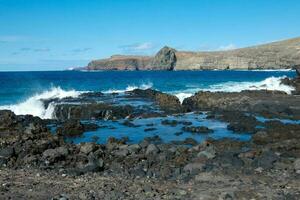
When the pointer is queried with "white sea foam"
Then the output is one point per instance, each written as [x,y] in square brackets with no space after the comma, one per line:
[34,105]
[143,86]
[271,83]
[183,95]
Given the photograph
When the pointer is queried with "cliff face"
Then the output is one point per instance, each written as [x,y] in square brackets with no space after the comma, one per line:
[276,55]
[120,63]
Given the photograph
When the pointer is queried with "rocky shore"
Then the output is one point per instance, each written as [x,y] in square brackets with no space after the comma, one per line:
[38,162]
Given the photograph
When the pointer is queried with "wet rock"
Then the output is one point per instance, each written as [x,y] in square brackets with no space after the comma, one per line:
[178,133]
[241,127]
[167,102]
[150,129]
[169,122]
[90,126]
[273,103]
[71,128]
[154,139]
[187,141]
[129,124]
[91,94]
[277,131]
[91,111]
[152,149]
[197,129]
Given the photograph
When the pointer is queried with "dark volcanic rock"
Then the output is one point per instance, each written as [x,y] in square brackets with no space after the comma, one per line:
[197,129]
[71,128]
[7,119]
[238,122]
[277,131]
[166,102]
[91,111]
[297,68]
[267,103]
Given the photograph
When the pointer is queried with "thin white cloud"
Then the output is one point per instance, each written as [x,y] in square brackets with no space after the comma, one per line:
[81,50]
[227,47]
[138,48]
[143,46]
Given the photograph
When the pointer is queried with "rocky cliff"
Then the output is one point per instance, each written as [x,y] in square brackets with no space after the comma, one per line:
[277,55]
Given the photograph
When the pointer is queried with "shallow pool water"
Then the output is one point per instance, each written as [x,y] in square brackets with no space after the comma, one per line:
[148,127]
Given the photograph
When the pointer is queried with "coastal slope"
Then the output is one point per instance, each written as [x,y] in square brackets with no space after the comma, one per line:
[277,55]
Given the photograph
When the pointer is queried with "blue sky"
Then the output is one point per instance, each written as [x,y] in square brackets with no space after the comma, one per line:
[56,34]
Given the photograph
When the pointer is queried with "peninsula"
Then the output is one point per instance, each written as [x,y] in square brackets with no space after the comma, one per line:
[277,55]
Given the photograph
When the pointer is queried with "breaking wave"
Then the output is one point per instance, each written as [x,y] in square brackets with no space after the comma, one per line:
[129,88]
[271,83]
[34,105]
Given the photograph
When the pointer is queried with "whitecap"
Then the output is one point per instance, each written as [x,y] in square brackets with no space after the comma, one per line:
[143,86]
[34,105]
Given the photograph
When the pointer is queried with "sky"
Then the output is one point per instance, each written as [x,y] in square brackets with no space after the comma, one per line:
[58,34]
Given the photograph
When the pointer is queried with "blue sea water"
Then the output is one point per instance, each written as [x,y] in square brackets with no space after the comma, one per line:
[16,87]
[23,92]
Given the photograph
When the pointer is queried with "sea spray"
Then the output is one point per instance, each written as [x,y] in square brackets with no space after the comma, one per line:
[35,106]
[143,86]
[271,83]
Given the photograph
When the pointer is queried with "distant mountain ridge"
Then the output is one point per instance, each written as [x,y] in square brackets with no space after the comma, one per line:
[276,55]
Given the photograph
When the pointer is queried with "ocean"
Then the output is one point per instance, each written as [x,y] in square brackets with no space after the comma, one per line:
[21,92]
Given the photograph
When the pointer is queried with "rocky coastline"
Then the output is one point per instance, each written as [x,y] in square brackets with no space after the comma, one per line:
[37,162]
[277,55]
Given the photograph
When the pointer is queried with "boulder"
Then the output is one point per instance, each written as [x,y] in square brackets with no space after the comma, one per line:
[152,149]
[134,148]
[7,119]
[194,167]
[87,148]
[71,128]
[94,165]
[166,102]
[197,129]
[53,155]
[209,152]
